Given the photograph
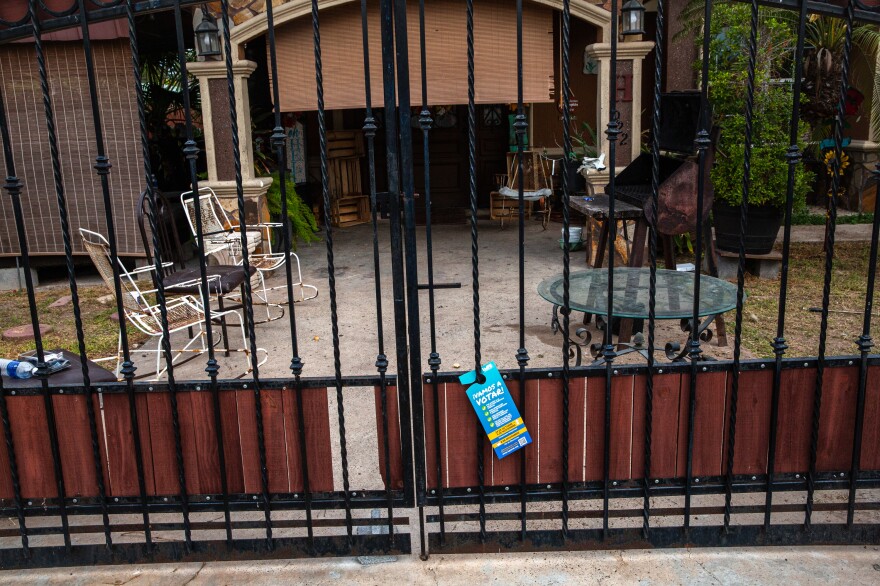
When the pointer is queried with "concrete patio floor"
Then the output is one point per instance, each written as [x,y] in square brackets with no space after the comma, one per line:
[820,565]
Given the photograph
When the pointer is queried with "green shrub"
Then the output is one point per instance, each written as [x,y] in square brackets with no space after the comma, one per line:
[302,220]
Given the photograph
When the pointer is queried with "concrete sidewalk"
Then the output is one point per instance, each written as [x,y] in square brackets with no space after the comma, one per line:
[792,566]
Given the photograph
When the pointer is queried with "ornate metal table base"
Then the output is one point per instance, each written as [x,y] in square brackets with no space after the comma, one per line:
[673,350]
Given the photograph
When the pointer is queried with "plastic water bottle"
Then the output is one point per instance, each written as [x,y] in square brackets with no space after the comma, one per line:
[16,369]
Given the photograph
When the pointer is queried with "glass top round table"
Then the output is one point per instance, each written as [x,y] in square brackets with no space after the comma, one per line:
[588,292]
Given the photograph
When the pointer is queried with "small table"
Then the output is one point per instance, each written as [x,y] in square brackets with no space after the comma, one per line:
[588,292]
[68,376]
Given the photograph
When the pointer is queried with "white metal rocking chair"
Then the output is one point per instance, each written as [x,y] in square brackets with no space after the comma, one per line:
[184,312]
[222,238]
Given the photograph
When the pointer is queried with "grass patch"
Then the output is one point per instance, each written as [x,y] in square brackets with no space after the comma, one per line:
[101,332]
[807,218]
[805,285]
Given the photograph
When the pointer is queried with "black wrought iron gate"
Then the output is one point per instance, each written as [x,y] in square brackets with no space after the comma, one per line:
[591,479]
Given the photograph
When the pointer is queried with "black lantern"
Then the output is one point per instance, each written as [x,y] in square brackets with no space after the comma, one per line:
[633,18]
[208,35]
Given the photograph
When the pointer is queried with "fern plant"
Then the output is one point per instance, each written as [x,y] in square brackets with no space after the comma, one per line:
[302,221]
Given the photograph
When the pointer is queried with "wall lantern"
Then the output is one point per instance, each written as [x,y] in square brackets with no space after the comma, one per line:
[633,18]
[208,35]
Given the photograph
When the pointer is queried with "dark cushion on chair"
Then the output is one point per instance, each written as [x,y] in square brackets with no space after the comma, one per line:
[231,278]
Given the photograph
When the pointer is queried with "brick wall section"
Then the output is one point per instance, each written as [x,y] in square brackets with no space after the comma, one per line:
[76,142]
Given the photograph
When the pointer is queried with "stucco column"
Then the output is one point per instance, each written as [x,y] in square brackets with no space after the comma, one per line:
[217,127]
[629,61]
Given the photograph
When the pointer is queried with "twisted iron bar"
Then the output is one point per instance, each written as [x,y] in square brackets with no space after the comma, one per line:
[652,257]
[566,253]
[331,269]
[829,262]
[279,144]
[793,157]
[12,185]
[741,266]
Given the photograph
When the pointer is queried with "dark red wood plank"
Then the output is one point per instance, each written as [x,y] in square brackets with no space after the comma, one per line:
[837,419]
[621,427]
[752,422]
[6,490]
[274,440]
[119,444]
[665,408]
[461,440]
[681,446]
[201,457]
[794,425]
[395,465]
[250,452]
[594,467]
[506,472]
[431,448]
[75,445]
[711,410]
[870,457]
[320,453]
[231,441]
[638,427]
[550,422]
[188,442]
[161,429]
[30,434]
[577,428]
[530,417]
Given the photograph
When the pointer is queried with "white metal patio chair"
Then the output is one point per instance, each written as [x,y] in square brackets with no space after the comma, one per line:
[183,312]
[222,238]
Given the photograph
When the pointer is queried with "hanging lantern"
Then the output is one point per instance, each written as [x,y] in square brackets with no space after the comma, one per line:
[633,17]
[208,35]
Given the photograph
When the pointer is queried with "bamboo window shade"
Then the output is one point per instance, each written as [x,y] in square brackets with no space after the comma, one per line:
[446,46]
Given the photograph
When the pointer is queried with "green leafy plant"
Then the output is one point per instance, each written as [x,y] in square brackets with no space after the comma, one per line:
[302,220]
[728,73]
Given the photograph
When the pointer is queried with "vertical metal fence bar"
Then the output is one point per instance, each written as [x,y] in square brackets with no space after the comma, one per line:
[248,300]
[695,353]
[609,351]
[331,268]
[793,157]
[279,143]
[741,265]
[74,292]
[381,358]
[157,257]
[12,185]
[566,253]
[520,127]
[829,262]
[652,256]
[425,122]
[475,257]
[407,180]
[41,366]
[864,343]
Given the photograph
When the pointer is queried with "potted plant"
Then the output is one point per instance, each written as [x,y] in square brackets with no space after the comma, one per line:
[769,168]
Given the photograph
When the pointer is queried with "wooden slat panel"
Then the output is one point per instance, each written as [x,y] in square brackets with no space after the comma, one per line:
[27,416]
[637,467]
[870,457]
[506,472]
[621,427]
[396,462]
[430,439]
[6,490]
[709,423]
[320,453]
[460,438]
[752,422]
[681,445]
[161,430]
[577,428]
[119,445]
[594,468]
[665,425]
[795,419]
[75,445]
[530,416]
[231,441]
[837,419]
[273,436]
[250,451]
[199,442]
[550,427]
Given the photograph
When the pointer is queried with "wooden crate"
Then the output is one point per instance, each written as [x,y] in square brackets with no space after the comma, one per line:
[351,210]
[506,208]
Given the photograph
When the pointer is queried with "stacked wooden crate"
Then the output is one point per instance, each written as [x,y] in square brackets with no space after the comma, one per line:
[349,204]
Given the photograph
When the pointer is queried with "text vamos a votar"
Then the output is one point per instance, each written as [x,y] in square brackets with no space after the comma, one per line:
[493,391]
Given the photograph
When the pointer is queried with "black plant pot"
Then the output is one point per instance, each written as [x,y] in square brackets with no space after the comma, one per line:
[763,226]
